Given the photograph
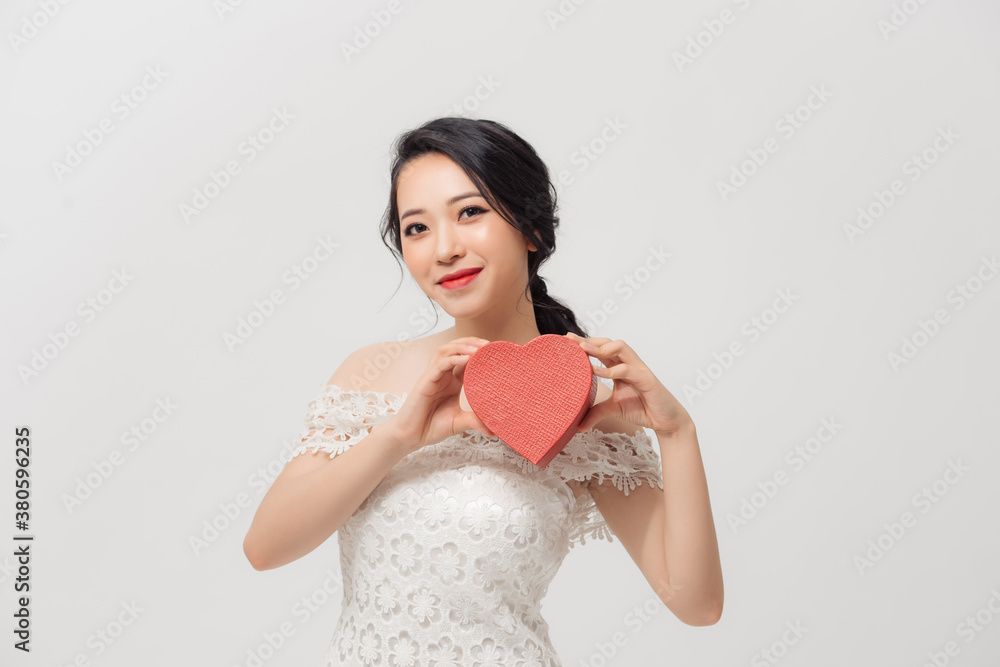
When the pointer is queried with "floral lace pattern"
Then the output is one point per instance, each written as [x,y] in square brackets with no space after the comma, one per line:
[447,561]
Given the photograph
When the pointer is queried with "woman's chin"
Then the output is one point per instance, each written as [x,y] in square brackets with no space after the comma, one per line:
[459,311]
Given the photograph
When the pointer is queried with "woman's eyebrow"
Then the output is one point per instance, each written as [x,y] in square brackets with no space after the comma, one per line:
[415,211]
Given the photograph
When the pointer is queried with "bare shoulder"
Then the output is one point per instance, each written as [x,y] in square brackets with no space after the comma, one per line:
[361,370]
[350,373]
[389,366]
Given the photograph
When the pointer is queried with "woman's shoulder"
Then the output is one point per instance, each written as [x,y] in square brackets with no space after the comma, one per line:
[385,367]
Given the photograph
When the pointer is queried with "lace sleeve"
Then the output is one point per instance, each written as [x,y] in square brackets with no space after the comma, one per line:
[339,418]
[627,460]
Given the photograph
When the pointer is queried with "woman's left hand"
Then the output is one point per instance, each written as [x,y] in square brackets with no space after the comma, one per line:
[638,396]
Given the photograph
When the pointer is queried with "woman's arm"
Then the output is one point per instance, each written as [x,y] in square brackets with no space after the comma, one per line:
[314,495]
[670,532]
[690,542]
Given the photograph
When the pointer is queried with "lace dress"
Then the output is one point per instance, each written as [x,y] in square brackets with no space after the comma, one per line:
[446,562]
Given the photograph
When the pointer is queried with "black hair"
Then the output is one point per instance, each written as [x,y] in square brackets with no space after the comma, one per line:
[511,177]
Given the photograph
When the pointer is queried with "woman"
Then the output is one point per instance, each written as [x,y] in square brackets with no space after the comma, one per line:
[448,538]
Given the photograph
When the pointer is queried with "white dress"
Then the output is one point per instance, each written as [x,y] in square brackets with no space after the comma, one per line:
[446,562]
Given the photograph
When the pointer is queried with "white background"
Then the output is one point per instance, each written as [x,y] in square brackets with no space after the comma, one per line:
[64,234]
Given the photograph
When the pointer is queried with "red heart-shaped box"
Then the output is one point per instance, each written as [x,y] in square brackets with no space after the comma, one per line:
[531,396]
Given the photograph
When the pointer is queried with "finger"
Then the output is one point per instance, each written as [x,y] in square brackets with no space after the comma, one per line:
[467,343]
[605,351]
[634,375]
[447,364]
[467,420]
[596,414]
[588,343]
[619,371]
[617,351]
[596,340]
[483,428]
[459,370]
[470,340]
[595,347]
[464,350]
[593,342]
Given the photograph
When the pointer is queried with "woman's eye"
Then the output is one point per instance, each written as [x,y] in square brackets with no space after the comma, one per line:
[473,208]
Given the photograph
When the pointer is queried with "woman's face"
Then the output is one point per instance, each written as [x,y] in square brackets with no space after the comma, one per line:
[445,226]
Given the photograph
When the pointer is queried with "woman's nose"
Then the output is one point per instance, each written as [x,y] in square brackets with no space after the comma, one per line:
[449,243]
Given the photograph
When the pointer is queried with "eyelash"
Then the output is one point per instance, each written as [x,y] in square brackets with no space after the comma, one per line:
[406,232]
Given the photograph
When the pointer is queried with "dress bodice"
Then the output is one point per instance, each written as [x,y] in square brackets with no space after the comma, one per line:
[447,561]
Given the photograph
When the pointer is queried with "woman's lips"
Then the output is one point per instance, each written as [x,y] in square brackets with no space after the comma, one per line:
[459,283]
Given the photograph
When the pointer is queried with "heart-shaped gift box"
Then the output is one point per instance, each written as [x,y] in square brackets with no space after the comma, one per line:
[531,396]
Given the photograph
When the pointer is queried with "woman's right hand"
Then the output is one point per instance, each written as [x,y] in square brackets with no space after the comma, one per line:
[431,411]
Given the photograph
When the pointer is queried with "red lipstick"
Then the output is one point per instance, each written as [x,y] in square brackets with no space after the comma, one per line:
[459,279]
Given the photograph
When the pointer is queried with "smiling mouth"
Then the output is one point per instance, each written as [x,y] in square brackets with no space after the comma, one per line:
[458,283]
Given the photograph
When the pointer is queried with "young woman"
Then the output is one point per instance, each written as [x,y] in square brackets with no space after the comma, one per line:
[448,538]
